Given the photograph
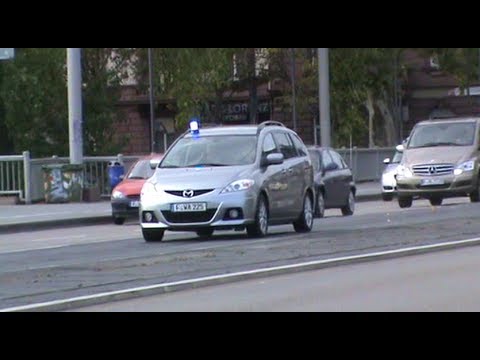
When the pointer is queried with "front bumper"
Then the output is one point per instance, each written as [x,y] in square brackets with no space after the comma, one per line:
[448,186]
[389,184]
[216,214]
[126,207]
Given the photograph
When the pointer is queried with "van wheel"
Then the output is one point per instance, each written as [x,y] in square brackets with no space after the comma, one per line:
[260,227]
[475,195]
[405,201]
[204,233]
[305,221]
[153,235]
[436,201]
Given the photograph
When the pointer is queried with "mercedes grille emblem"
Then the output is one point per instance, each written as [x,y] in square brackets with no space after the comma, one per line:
[432,170]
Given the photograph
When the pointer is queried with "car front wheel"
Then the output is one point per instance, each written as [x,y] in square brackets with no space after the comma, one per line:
[349,208]
[260,227]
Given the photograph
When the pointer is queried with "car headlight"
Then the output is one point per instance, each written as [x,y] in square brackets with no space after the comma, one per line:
[118,195]
[238,185]
[466,166]
[404,171]
[148,187]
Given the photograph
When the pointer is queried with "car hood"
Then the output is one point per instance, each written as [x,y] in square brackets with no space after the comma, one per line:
[130,187]
[199,178]
[437,155]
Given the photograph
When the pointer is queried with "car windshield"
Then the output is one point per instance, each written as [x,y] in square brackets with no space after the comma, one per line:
[141,170]
[443,134]
[219,150]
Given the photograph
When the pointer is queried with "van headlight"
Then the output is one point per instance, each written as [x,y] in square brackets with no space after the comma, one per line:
[404,171]
[466,166]
[147,188]
[238,185]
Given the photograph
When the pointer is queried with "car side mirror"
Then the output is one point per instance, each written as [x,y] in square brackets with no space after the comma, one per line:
[400,148]
[273,159]
[386,161]
[154,163]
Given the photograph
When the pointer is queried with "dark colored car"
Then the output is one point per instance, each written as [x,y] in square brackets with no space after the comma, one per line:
[334,184]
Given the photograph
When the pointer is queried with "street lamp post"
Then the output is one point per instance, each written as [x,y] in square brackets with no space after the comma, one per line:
[152,100]
[324,97]
[74,74]
[294,97]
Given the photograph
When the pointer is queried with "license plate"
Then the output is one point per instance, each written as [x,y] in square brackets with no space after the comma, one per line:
[134,204]
[187,207]
[429,182]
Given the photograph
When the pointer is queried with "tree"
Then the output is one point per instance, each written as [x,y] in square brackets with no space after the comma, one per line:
[34,91]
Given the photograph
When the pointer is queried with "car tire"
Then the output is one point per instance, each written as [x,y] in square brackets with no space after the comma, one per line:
[475,195]
[118,220]
[436,201]
[153,235]
[320,213]
[304,223]
[349,208]
[405,201]
[204,233]
[260,227]
[387,197]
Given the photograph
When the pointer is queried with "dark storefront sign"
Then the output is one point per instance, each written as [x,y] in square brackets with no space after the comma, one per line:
[239,111]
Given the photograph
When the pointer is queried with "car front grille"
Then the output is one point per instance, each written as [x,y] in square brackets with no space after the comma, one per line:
[433,169]
[189,217]
[195,192]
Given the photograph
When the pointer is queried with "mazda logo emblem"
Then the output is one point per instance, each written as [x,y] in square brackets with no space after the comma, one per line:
[187,193]
[432,170]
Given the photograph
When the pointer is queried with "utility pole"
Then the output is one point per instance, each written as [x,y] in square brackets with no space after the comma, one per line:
[294,97]
[324,97]
[152,100]
[75,118]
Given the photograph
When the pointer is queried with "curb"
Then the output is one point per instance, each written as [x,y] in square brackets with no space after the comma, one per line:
[49,224]
[102,220]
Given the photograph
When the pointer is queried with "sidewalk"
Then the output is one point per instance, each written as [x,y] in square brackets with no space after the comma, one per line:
[41,216]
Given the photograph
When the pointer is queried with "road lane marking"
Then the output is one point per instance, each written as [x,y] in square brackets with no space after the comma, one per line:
[155,289]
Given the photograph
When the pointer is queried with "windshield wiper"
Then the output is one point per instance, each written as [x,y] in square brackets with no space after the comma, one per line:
[434,144]
[169,167]
[136,178]
[206,165]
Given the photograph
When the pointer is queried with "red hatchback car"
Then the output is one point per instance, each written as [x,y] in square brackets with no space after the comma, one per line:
[125,197]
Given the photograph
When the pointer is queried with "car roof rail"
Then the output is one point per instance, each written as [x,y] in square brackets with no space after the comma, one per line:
[264,124]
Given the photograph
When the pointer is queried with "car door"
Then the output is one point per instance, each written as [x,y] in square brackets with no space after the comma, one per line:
[329,180]
[291,193]
[343,178]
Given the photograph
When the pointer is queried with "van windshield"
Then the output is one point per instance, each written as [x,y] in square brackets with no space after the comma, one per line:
[218,150]
[443,134]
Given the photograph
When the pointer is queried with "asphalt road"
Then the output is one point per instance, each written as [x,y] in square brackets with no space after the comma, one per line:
[436,282]
[48,265]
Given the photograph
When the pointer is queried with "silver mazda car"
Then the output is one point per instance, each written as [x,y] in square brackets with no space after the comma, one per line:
[230,178]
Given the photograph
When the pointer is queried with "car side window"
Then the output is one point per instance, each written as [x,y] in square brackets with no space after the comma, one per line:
[285,145]
[326,158]
[299,145]
[337,159]
[315,157]
[268,146]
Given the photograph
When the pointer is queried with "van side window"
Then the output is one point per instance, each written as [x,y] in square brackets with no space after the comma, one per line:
[285,145]
[299,145]
[268,146]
